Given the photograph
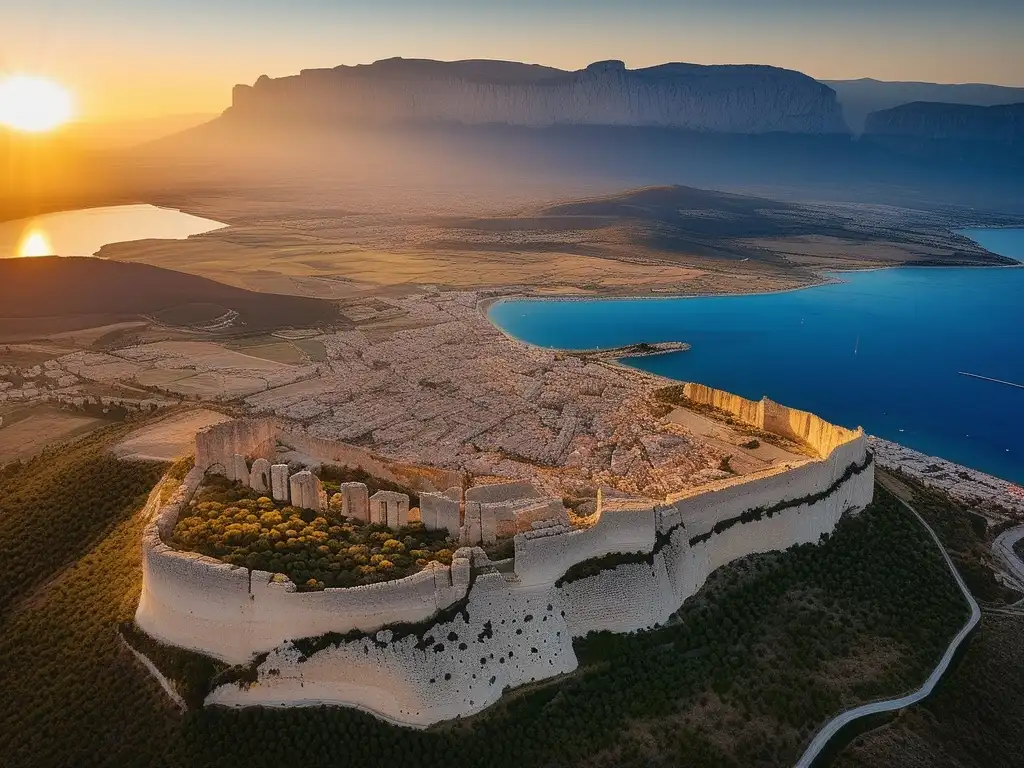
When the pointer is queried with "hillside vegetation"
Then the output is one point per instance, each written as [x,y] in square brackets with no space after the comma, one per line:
[973,719]
[55,506]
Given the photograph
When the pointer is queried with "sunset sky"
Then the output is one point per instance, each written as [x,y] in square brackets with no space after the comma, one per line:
[142,58]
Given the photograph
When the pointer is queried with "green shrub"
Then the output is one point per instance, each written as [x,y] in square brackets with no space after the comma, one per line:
[233,523]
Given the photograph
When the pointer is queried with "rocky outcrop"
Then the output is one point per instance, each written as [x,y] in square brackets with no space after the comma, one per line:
[728,99]
[950,122]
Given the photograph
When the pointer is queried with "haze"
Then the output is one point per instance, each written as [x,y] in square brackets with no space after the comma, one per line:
[185,56]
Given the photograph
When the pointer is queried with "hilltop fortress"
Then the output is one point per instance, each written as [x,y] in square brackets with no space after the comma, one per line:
[447,641]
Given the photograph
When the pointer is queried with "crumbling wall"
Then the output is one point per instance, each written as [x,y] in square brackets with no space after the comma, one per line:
[258,438]
[415,477]
[219,443]
[442,511]
[505,637]
[497,493]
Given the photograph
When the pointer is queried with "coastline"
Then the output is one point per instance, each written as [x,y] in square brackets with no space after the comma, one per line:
[826,278]
[831,277]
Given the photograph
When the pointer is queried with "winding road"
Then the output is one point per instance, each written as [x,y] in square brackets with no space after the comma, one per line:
[1003,547]
[826,734]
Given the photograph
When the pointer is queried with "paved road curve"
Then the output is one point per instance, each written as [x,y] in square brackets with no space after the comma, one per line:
[1003,547]
[832,728]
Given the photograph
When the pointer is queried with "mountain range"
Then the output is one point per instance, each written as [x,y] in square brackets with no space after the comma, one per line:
[743,99]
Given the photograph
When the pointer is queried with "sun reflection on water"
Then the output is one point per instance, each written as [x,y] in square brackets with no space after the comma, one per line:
[35,243]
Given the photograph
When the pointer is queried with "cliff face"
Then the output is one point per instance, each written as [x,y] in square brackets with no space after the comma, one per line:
[728,99]
[950,122]
[859,98]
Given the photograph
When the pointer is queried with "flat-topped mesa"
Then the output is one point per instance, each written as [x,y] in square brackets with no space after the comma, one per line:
[447,641]
[728,99]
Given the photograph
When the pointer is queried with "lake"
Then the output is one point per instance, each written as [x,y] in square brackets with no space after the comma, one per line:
[882,349]
[84,232]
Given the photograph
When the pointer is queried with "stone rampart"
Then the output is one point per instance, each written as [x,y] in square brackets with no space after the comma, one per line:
[504,637]
[747,411]
[543,559]
[504,629]
[218,444]
[332,451]
[701,532]
[199,603]
[497,493]
[799,426]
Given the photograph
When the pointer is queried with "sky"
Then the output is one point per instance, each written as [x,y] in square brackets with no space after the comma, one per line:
[128,59]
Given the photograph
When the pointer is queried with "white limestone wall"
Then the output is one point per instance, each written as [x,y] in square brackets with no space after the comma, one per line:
[800,426]
[514,632]
[496,493]
[702,508]
[544,559]
[641,595]
[199,603]
[624,599]
[418,477]
[516,628]
[219,443]
[507,636]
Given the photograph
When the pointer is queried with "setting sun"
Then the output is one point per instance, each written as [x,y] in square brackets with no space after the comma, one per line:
[35,243]
[33,104]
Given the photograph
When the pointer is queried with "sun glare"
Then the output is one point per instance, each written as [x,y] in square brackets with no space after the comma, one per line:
[35,243]
[33,104]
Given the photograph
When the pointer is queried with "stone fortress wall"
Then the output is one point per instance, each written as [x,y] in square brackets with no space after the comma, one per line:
[479,628]
[203,604]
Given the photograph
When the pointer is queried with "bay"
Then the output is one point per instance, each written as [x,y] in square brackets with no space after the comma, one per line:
[883,349]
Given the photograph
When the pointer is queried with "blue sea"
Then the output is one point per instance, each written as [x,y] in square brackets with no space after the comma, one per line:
[882,349]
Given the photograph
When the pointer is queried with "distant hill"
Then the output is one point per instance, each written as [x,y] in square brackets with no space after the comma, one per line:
[728,99]
[859,98]
[53,294]
[669,222]
[929,120]
[982,137]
